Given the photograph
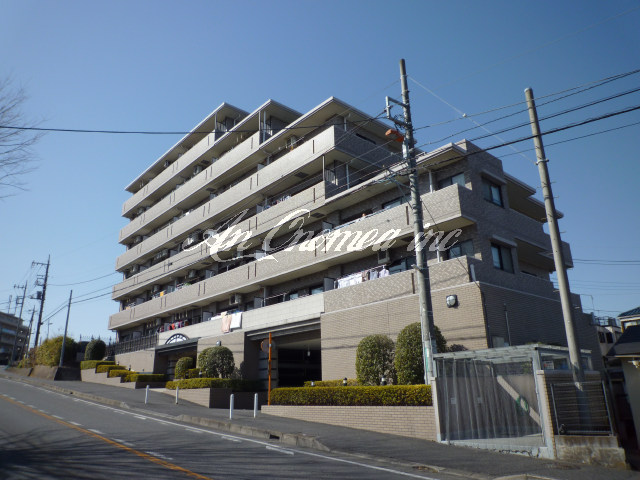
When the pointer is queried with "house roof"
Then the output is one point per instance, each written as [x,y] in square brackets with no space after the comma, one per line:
[628,345]
[634,312]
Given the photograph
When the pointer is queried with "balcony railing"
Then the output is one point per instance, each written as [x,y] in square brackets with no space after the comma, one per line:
[133,345]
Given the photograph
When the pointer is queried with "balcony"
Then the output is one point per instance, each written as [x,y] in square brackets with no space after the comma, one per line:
[449,207]
[252,188]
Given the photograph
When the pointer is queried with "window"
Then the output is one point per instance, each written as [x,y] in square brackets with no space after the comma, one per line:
[491,192]
[458,178]
[393,203]
[460,249]
[601,337]
[502,257]
[609,336]
[315,290]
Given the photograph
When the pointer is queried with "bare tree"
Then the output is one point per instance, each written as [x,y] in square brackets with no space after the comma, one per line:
[16,139]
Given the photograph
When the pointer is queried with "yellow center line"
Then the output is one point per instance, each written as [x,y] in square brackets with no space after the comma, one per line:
[151,458]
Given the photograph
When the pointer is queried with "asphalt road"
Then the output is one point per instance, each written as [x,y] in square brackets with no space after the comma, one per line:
[47,435]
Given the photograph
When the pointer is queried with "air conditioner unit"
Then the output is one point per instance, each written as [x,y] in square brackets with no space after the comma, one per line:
[235,299]
[384,256]
[192,274]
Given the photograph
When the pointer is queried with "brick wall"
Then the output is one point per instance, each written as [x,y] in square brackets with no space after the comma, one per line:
[414,422]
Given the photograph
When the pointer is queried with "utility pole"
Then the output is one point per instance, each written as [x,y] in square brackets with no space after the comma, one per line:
[422,270]
[66,324]
[26,345]
[44,291]
[556,242]
[19,324]
[9,307]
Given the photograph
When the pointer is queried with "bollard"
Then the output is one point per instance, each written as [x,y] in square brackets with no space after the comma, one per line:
[231,407]
[177,391]
[255,405]
[146,395]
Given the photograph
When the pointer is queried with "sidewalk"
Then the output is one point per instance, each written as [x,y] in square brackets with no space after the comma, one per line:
[423,455]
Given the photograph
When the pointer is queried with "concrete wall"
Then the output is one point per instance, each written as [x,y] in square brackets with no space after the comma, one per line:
[632,381]
[414,422]
[140,361]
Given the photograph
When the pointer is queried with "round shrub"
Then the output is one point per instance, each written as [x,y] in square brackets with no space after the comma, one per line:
[374,360]
[216,362]
[408,361]
[48,353]
[96,350]
[182,365]
[441,342]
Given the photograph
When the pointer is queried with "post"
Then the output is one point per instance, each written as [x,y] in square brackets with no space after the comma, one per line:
[255,405]
[231,407]
[44,291]
[269,390]
[177,393]
[556,242]
[146,395]
[422,270]
[66,324]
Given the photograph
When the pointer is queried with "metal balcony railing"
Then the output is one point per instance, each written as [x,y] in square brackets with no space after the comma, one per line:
[140,343]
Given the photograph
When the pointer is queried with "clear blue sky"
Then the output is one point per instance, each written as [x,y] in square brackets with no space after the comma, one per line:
[158,66]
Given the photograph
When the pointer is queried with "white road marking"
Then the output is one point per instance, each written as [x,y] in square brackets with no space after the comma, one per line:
[59,418]
[76,424]
[281,450]
[159,455]
[95,431]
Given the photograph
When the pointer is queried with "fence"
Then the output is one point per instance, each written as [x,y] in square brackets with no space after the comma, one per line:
[580,409]
[136,344]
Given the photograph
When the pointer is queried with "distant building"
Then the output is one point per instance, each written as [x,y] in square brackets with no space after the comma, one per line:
[334,170]
[629,318]
[609,331]
[10,325]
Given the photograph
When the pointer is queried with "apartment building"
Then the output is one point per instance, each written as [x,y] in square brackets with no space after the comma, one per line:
[13,336]
[298,225]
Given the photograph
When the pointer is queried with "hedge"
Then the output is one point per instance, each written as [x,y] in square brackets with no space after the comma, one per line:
[144,377]
[182,366]
[234,384]
[108,368]
[87,364]
[392,395]
[351,382]
[119,373]
[193,373]
[95,350]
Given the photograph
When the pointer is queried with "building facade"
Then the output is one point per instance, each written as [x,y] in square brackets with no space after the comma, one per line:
[299,225]
[13,337]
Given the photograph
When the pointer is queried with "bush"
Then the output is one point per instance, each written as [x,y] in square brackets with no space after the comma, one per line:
[193,373]
[108,368]
[96,350]
[441,342]
[48,353]
[119,373]
[216,362]
[234,384]
[374,360]
[393,395]
[144,377]
[93,364]
[351,382]
[182,366]
[408,361]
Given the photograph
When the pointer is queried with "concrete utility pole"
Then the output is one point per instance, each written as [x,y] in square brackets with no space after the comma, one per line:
[556,242]
[44,291]
[66,324]
[422,270]
[26,344]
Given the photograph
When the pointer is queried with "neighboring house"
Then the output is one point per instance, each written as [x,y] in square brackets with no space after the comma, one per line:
[627,350]
[629,318]
[9,326]
[609,331]
[335,171]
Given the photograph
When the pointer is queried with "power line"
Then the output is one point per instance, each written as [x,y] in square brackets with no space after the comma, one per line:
[85,281]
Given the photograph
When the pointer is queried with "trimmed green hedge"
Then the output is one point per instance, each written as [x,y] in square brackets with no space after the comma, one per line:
[193,373]
[87,364]
[351,382]
[119,373]
[144,377]
[392,395]
[108,368]
[236,385]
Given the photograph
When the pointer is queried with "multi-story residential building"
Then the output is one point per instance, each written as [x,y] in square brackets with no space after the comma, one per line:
[332,181]
[13,335]
[609,331]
